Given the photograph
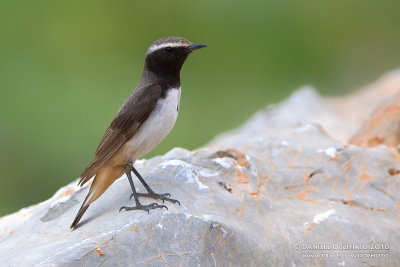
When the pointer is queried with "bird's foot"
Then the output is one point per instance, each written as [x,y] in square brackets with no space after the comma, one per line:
[163,197]
[144,207]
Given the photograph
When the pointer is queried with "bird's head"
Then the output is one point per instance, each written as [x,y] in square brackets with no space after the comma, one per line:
[167,55]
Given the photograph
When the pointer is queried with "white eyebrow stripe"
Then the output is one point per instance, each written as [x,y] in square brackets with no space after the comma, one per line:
[164,45]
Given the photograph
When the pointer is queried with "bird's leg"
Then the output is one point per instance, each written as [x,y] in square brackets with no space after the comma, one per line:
[128,169]
[150,192]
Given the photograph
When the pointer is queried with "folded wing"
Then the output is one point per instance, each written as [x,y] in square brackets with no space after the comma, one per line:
[136,109]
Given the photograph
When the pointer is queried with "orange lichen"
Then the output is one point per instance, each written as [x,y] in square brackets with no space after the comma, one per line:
[292,162]
[393,110]
[309,229]
[25,213]
[380,129]
[297,154]
[290,187]
[303,194]
[133,228]
[272,165]
[307,177]
[352,203]
[239,156]
[243,163]
[346,166]
[350,199]
[261,181]
[242,177]
[364,177]
[376,209]
[68,191]
[240,211]
[99,252]
[334,158]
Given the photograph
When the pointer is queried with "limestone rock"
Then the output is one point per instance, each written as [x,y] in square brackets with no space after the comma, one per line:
[341,117]
[272,193]
[383,127]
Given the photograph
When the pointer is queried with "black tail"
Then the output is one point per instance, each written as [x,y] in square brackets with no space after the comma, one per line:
[81,211]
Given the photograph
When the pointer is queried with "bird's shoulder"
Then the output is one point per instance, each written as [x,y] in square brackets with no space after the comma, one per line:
[134,111]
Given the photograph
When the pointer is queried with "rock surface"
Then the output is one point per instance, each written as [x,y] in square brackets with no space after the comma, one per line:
[341,117]
[272,193]
[383,127]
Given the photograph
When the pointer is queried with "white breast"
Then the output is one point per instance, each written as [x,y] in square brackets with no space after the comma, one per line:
[157,126]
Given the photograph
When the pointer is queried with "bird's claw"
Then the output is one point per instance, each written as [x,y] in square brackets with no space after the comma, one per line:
[163,197]
[152,195]
[144,207]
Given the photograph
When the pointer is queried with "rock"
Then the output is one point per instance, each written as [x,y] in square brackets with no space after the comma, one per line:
[383,127]
[273,192]
[357,107]
[303,106]
[341,117]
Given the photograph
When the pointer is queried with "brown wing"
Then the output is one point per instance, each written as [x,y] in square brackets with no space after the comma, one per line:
[126,123]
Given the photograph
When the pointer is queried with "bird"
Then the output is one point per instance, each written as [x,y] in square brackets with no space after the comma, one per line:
[142,122]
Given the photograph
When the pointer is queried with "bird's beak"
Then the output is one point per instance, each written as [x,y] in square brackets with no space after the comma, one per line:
[193,47]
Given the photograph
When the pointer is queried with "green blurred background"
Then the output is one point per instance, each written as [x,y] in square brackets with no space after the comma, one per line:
[66,67]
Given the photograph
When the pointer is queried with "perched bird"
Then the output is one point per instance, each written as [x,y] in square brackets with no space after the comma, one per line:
[142,122]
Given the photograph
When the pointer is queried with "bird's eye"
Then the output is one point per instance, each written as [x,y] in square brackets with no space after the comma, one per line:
[168,49]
